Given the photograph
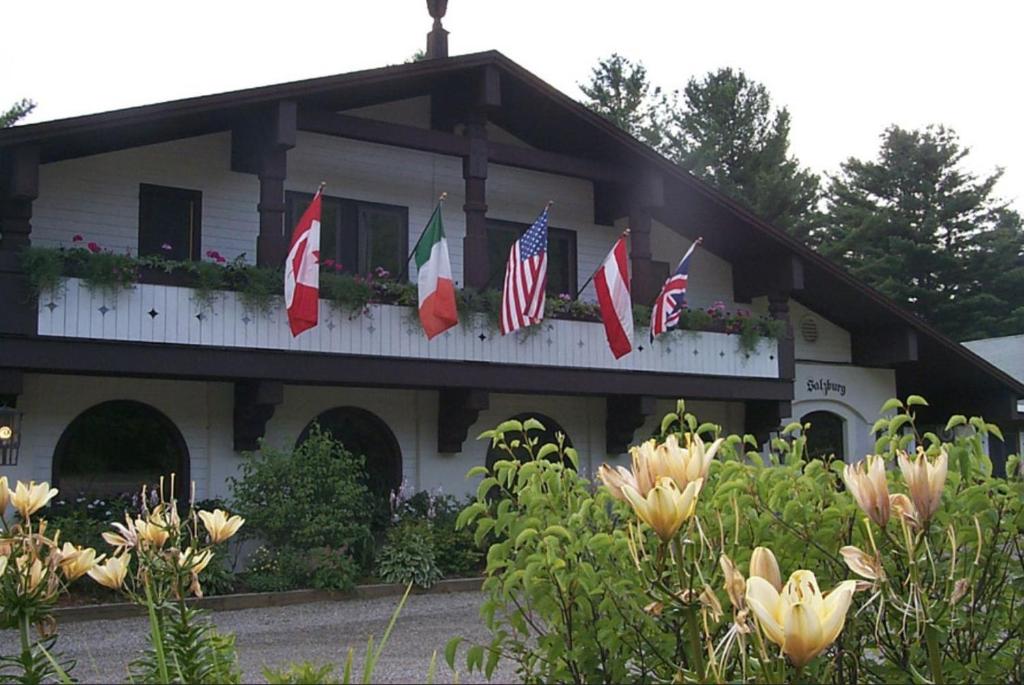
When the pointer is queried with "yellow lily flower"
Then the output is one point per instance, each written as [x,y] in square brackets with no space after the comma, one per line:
[685,464]
[112,573]
[615,478]
[904,508]
[866,482]
[925,480]
[28,499]
[664,508]
[126,537]
[153,531]
[799,619]
[219,525]
[195,561]
[5,495]
[764,565]
[76,561]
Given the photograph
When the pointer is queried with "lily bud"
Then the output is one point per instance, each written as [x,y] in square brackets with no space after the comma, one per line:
[764,565]
[28,499]
[5,495]
[904,508]
[861,563]
[664,508]
[735,584]
[925,480]
[866,482]
[800,619]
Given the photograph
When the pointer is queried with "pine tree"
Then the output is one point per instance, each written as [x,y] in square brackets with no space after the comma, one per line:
[620,91]
[727,132]
[16,112]
[921,229]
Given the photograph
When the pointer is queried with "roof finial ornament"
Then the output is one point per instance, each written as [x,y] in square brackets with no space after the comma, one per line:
[437,39]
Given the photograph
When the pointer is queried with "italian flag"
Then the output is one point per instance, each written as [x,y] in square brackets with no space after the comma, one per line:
[436,290]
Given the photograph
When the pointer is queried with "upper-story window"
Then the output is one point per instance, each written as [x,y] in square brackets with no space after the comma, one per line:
[170,222]
[360,236]
[561,255]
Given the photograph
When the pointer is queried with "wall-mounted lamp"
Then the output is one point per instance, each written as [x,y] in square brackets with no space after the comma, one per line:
[10,435]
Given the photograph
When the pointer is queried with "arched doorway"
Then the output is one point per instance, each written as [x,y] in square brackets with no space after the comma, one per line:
[548,435]
[117,446]
[366,434]
[826,438]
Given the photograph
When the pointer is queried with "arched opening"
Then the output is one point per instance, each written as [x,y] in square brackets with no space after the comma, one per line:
[364,433]
[549,435]
[826,438]
[117,446]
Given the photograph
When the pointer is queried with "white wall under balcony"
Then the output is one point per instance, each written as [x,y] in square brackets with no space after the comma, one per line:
[166,314]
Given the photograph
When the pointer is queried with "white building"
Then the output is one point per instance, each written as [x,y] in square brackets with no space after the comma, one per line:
[226,174]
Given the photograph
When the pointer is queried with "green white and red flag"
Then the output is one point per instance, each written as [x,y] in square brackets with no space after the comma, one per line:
[434,279]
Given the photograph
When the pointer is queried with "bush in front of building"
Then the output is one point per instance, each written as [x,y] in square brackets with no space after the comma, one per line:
[456,552]
[903,568]
[409,555]
[308,501]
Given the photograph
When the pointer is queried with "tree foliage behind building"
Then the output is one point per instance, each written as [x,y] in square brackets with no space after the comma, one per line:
[16,112]
[914,223]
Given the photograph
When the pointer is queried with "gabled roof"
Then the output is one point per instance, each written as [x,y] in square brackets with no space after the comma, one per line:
[546,118]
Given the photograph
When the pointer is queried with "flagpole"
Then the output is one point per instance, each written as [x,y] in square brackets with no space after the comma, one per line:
[587,282]
[405,266]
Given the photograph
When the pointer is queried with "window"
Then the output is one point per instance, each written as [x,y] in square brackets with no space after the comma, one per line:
[360,236]
[561,255]
[117,446]
[825,439]
[170,222]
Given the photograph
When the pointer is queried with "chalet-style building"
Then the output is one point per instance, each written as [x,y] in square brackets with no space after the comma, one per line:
[114,384]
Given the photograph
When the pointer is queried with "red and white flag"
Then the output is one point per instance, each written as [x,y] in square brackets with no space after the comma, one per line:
[302,270]
[612,285]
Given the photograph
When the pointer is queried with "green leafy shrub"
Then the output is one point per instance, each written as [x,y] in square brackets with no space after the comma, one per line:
[302,673]
[455,551]
[295,502]
[333,570]
[581,590]
[408,556]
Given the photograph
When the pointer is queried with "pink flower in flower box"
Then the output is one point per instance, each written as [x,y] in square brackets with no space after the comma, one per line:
[77,238]
[94,248]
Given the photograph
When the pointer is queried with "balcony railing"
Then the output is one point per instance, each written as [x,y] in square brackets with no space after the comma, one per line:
[169,314]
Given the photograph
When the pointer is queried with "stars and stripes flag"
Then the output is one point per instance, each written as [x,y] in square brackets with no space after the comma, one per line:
[302,270]
[611,281]
[672,299]
[526,277]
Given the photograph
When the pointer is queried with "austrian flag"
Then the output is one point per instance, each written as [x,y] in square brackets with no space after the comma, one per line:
[302,270]
[612,284]
[434,279]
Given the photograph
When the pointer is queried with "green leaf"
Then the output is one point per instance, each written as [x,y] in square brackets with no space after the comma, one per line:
[707,427]
[475,657]
[955,420]
[879,425]
[792,427]
[667,422]
[916,400]
[890,404]
[994,430]
[486,435]
[533,425]
[509,426]
[449,651]
[546,450]
[477,471]
[898,421]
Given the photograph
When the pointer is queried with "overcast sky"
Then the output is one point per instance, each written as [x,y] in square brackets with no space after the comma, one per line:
[844,70]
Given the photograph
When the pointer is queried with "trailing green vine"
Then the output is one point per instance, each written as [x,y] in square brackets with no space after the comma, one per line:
[259,290]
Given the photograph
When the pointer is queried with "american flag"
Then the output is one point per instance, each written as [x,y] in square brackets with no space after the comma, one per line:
[672,298]
[526,277]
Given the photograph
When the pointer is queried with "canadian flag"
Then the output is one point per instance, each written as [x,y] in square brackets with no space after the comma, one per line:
[612,284]
[302,270]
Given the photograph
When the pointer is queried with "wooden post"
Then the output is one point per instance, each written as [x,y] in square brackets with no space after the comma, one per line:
[19,186]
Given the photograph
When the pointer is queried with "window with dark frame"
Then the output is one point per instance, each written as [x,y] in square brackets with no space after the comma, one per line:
[360,236]
[562,277]
[170,222]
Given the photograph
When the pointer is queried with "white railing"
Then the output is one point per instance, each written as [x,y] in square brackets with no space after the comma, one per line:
[167,314]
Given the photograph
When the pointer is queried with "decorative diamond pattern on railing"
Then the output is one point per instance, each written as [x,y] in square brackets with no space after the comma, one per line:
[166,314]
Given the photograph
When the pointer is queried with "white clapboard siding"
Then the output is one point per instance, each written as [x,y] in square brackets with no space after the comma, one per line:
[157,313]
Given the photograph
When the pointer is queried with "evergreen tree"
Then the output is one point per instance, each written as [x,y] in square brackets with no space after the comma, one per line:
[15,112]
[727,132]
[918,227]
[620,91]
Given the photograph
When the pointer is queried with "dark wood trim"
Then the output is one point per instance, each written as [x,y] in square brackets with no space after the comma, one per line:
[92,357]
[884,346]
[385,133]
[476,265]
[255,402]
[624,414]
[19,187]
[457,410]
[764,417]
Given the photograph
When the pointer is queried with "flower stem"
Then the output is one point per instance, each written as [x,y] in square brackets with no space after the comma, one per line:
[156,635]
[693,629]
[934,659]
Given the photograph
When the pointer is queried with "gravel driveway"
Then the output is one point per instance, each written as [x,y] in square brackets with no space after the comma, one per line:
[318,632]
